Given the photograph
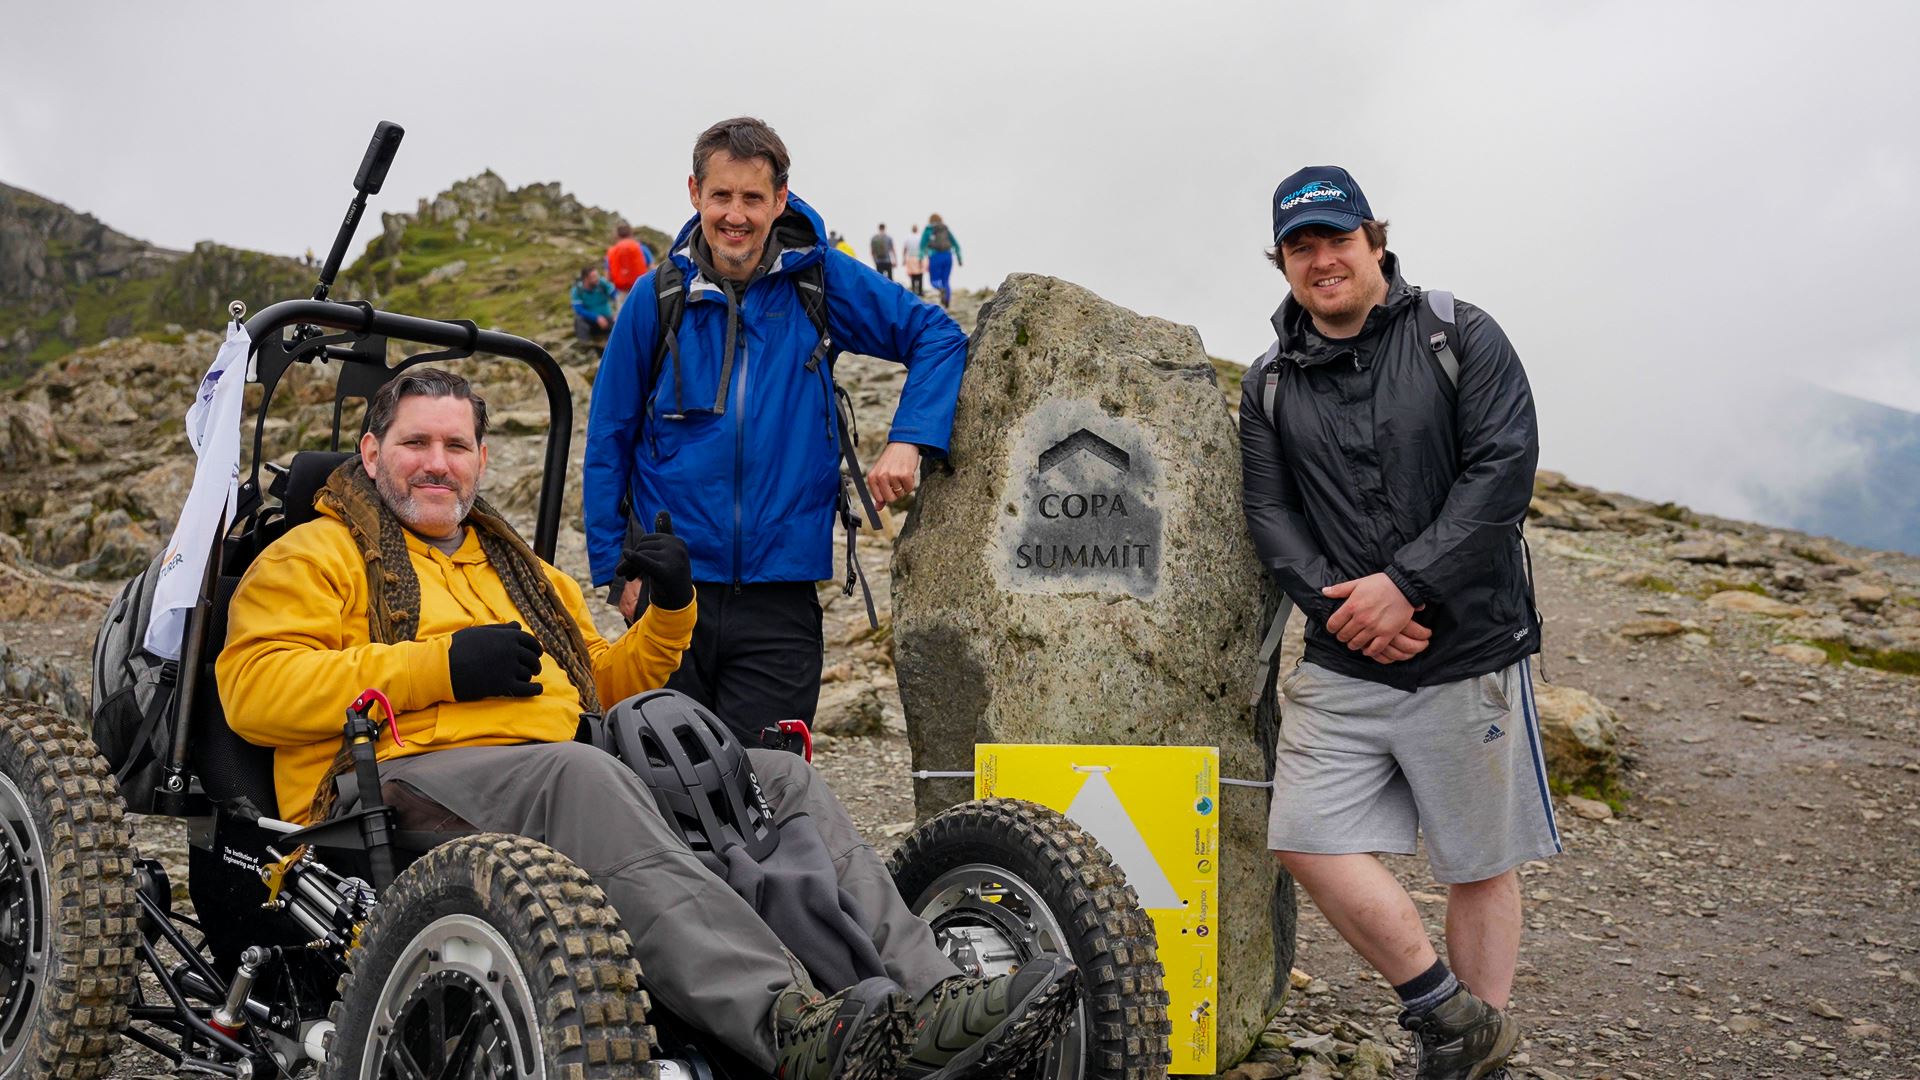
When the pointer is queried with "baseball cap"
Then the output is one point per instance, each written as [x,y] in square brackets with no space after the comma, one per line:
[1318,195]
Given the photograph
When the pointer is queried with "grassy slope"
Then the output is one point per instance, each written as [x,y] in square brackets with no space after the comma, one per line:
[517,271]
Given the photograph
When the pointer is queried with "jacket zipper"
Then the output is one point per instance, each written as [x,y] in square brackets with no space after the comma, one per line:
[739,458]
[826,388]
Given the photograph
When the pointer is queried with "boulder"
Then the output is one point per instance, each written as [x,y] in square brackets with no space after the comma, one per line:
[26,435]
[849,708]
[1652,628]
[1799,654]
[1865,595]
[43,682]
[1581,736]
[1084,575]
[1754,604]
[1591,809]
[1706,552]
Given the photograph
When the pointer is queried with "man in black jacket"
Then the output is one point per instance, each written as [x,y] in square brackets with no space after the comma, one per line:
[1385,490]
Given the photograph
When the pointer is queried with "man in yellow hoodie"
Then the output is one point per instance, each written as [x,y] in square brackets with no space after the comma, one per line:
[408,582]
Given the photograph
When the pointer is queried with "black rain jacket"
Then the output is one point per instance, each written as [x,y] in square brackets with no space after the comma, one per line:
[1373,462]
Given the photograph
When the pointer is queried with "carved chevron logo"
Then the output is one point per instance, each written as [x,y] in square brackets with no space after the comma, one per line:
[1089,442]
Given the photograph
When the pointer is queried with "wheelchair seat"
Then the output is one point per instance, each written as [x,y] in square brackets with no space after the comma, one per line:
[229,766]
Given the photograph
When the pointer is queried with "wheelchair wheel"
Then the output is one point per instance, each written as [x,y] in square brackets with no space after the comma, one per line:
[1002,881]
[492,957]
[68,927]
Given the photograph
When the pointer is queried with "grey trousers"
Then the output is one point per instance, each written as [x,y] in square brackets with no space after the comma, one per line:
[705,954]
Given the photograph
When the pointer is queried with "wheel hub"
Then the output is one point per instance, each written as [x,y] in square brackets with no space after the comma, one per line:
[23,925]
[456,1005]
[990,921]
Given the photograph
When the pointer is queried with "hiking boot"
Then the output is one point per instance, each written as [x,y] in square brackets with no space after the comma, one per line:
[991,1027]
[859,1033]
[1463,1038]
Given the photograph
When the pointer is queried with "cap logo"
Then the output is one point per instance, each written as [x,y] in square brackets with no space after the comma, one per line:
[1315,192]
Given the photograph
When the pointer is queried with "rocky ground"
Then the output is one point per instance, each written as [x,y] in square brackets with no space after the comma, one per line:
[1740,899]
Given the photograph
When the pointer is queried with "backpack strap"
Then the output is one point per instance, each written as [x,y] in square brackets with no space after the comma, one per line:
[145,747]
[1442,334]
[811,283]
[1269,368]
[670,300]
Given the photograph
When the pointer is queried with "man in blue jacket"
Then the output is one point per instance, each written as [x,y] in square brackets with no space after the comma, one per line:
[737,434]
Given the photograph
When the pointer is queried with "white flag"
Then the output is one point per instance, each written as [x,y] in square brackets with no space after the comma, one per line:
[213,428]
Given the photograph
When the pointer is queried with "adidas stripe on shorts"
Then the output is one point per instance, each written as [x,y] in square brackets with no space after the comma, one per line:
[1363,767]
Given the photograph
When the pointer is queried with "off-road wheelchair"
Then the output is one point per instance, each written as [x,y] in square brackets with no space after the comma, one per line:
[354,948]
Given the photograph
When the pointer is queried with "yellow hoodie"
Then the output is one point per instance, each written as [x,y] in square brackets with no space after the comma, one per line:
[298,653]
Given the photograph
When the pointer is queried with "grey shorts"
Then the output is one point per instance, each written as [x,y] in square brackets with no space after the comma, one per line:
[1363,767]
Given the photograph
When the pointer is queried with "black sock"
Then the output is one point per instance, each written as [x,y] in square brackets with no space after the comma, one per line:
[1427,989]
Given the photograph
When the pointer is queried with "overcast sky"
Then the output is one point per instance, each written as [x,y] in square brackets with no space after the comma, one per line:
[1677,211]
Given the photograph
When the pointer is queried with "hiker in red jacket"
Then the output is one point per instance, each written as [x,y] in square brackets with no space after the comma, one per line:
[626,261]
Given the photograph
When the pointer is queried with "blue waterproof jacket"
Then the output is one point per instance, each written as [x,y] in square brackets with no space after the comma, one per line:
[589,304]
[750,471]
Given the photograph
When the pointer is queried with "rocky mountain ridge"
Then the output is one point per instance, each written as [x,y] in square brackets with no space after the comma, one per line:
[67,280]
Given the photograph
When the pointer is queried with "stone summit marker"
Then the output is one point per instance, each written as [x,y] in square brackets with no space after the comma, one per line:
[1084,576]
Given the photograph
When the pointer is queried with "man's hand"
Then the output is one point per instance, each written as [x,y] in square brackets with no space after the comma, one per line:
[662,559]
[630,600]
[1373,616]
[895,474]
[1411,642]
[498,660]
[603,322]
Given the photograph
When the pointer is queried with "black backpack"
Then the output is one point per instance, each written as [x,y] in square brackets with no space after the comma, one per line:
[942,240]
[670,296]
[133,693]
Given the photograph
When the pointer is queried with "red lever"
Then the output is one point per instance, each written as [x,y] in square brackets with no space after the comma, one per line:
[799,727]
[365,701]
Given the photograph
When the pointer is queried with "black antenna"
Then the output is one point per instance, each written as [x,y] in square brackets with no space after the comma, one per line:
[373,173]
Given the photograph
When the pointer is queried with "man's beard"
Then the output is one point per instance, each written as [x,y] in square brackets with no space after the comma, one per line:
[399,496]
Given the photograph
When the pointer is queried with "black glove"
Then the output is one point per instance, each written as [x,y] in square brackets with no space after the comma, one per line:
[661,559]
[500,660]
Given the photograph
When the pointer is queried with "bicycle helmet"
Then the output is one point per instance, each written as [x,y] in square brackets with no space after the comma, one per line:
[698,773]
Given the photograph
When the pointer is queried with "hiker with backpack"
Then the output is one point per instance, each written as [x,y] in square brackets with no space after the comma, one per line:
[881,246]
[626,261]
[912,263]
[1388,448]
[717,402]
[941,250]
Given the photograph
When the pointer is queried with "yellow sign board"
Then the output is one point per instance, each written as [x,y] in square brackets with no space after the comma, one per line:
[1156,809]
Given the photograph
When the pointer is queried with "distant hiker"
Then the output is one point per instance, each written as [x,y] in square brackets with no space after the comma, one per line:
[941,250]
[719,417]
[1388,445]
[626,261]
[912,263]
[882,248]
[840,245]
[592,301]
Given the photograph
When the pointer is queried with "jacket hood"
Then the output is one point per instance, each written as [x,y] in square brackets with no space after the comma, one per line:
[1303,344]
[799,233]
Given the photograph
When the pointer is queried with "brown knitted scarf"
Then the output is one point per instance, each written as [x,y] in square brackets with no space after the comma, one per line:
[393,589]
